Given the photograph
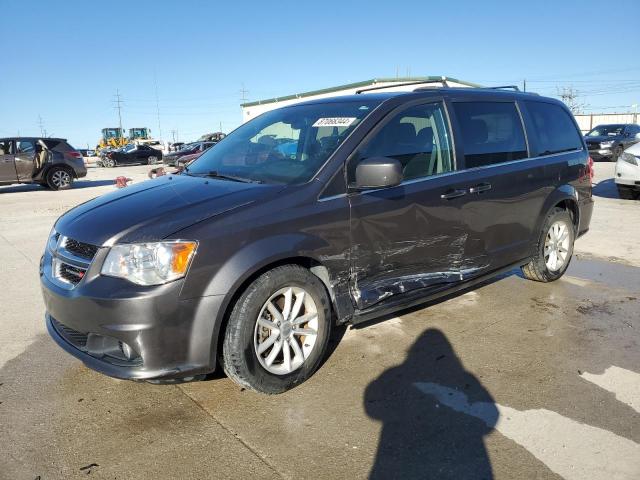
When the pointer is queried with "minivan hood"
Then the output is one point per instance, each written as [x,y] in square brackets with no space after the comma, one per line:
[154,209]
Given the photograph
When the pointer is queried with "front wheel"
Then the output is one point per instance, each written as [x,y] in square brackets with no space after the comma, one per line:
[152,160]
[278,330]
[554,248]
[59,178]
[109,162]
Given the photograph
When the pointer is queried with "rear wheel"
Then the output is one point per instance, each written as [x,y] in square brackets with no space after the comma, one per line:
[627,193]
[554,248]
[59,178]
[278,330]
[108,162]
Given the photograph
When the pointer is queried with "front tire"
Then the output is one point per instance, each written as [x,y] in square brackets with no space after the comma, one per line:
[278,330]
[152,160]
[554,248]
[59,178]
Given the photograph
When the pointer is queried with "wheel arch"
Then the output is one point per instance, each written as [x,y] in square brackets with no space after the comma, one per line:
[565,197]
[314,265]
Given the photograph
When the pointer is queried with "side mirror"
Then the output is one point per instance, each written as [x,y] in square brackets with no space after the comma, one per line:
[378,172]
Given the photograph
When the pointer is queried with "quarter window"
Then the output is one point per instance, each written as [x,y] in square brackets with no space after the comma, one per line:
[417,137]
[491,133]
[553,129]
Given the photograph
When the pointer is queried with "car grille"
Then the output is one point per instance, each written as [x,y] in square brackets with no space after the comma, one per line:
[70,273]
[75,338]
[70,260]
[81,249]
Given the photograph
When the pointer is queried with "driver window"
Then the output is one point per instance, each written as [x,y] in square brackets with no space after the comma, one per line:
[418,138]
[25,146]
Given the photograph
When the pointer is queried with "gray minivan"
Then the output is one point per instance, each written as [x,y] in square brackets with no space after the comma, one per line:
[327,212]
[50,162]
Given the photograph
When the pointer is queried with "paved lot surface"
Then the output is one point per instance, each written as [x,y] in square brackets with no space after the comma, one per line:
[513,379]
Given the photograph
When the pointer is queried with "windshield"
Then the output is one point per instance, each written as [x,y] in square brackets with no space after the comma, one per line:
[286,145]
[606,130]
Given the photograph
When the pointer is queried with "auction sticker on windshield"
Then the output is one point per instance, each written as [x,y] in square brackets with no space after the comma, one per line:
[334,122]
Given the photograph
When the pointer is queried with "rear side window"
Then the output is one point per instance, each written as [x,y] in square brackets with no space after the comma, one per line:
[553,129]
[25,146]
[491,132]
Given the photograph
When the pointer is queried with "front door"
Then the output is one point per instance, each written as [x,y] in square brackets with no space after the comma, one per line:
[410,236]
[7,167]
[25,159]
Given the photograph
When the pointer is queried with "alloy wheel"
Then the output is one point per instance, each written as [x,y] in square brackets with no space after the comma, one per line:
[60,178]
[556,246]
[286,330]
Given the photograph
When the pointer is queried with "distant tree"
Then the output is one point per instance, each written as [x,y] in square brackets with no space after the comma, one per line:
[572,99]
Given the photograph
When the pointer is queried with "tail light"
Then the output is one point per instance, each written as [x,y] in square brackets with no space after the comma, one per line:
[590,169]
[74,154]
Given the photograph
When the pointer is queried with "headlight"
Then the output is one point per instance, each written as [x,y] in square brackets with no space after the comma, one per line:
[149,263]
[629,158]
[607,144]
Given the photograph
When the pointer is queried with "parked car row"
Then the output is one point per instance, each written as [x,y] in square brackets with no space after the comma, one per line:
[193,150]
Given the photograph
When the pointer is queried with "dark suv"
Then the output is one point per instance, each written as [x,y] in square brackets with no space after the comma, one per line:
[249,257]
[50,162]
[607,142]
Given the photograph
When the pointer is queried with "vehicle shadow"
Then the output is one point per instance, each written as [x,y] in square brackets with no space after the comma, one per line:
[422,437]
[30,187]
[606,189]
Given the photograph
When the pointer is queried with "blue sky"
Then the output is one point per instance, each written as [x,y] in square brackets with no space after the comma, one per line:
[64,61]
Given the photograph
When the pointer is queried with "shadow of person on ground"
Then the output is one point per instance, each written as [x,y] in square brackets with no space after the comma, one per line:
[421,437]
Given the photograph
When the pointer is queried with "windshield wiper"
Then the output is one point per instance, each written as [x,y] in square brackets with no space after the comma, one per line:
[233,178]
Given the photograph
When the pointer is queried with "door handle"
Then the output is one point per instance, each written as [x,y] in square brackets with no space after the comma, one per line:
[453,194]
[483,187]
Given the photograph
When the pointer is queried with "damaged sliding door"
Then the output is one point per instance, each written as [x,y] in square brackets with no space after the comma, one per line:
[411,236]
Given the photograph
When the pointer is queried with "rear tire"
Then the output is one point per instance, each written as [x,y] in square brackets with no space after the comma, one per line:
[59,178]
[263,324]
[554,243]
[627,193]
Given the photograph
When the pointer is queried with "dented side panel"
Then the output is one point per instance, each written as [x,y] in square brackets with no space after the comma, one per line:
[407,238]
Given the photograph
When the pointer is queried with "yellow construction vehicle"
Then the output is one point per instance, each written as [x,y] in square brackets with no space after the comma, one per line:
[112,138]
[138,134]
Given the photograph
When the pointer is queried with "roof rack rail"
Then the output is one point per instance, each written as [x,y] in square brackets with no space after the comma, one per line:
[505,87]
[443,82]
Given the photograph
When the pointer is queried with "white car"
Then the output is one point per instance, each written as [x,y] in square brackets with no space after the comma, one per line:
[627,175]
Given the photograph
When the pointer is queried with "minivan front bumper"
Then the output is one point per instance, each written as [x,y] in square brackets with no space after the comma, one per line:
[102,319]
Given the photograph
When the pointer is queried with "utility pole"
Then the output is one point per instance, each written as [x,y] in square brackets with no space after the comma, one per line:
[118,102]
[155,80]
[524,85]
[243,94]
[43,132]
[173,135]
[570,97]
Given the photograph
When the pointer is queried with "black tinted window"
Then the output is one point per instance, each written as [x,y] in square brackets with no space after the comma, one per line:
[491,133]
[554,129]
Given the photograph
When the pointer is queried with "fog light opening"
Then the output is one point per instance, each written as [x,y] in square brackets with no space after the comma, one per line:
[127,351]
